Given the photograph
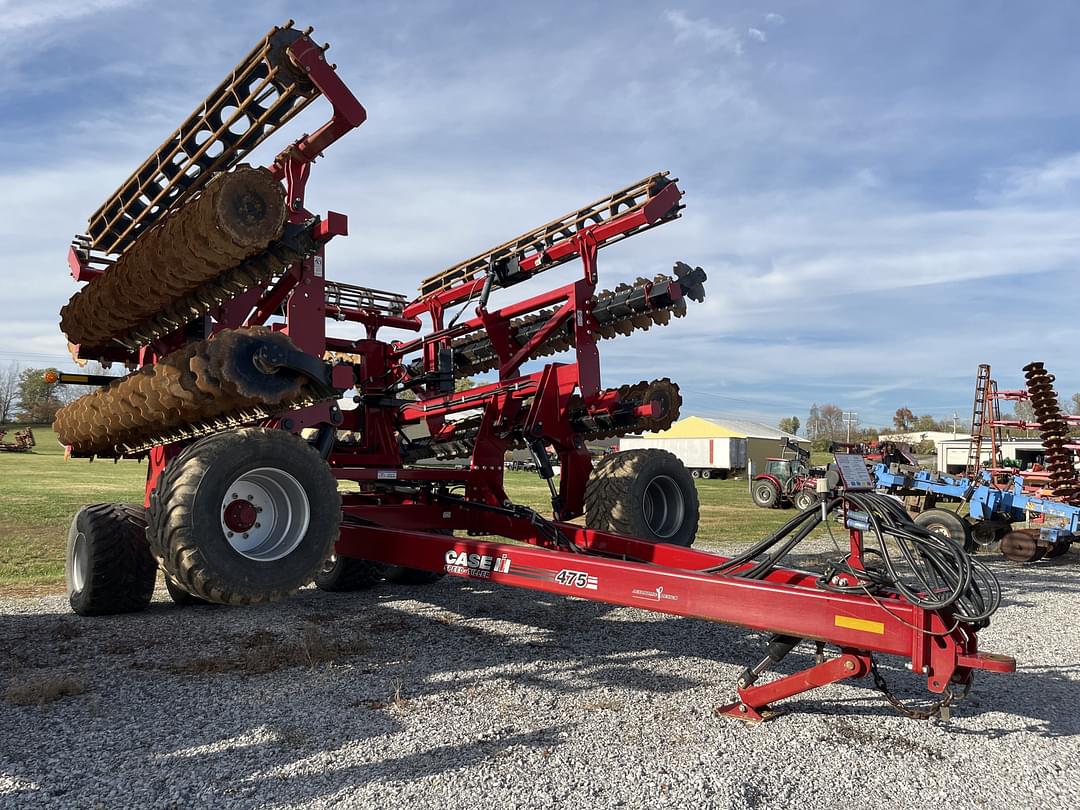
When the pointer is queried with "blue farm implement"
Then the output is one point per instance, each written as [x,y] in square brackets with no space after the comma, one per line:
[993,508]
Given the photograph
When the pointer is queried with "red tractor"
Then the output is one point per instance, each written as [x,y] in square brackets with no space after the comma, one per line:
[787,480]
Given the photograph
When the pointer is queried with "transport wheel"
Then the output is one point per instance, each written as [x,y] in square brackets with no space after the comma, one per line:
[1056,550]
[706,473]
[245,516]
[947,524]
[695,473]
[179,596]
[805,499]
[342,574]
[765,494]
[984,535]
[647,494]
[109,567]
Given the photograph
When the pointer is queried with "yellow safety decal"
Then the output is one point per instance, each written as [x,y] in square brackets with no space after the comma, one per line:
[75,378]
[860,624]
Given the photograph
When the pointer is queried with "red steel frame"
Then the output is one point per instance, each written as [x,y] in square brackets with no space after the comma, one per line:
[394,515]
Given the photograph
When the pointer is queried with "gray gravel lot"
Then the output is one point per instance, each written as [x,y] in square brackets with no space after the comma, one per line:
[467,695]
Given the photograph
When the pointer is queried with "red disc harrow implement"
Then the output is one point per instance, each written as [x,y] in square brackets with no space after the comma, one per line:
[207,278]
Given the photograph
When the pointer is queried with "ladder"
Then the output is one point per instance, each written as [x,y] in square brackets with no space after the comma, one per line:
[978,415]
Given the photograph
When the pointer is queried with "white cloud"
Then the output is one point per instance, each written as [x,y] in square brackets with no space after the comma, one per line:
[714,36]
[772,18]
[18,14]
[1053,178]
[758,34]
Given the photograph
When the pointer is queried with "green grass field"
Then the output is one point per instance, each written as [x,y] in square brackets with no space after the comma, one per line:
[40,491]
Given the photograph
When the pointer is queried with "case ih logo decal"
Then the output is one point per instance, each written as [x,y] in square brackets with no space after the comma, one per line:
[479,566]
[656,595]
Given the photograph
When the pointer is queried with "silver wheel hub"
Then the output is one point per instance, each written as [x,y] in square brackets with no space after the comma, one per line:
[80,563]
[265,514]
[663,506]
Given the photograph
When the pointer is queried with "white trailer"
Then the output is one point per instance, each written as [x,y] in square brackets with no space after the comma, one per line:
[705,458]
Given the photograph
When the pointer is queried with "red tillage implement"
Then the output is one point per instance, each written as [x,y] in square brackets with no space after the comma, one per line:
[207,279]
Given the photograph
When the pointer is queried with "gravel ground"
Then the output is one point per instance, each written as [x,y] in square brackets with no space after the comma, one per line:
[466,695]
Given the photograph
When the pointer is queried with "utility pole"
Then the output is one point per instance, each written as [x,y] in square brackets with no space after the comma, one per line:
[954,418]
[852,418]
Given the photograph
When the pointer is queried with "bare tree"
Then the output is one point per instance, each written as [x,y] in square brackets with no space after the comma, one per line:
[9,392]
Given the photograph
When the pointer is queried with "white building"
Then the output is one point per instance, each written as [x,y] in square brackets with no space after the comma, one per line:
[952,456]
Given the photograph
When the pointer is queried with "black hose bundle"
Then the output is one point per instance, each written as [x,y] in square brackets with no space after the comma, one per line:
[928,570]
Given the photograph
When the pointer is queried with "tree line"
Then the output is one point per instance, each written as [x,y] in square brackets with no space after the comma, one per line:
[826,423]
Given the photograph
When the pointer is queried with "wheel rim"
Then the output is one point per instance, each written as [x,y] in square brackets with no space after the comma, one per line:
[764,493]
[265,514]
[939,529]
[983,537]
[79,562]
[663,506]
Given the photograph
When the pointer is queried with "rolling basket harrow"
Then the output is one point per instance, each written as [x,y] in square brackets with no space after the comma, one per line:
[207,278]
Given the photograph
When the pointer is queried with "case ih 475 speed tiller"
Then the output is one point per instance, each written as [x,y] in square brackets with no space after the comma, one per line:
[207,278]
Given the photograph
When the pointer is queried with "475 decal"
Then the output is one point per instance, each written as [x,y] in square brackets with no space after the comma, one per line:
[576,579]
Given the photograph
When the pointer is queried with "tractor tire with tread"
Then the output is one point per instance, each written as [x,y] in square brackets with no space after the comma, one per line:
[109,566]
[765,494]
[189,512]
[647,494]
[180,597]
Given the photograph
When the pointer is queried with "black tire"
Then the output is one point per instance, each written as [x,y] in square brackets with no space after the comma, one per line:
[706,473]
[695,473]
[985,534]
[189,516]
[805,499]
[109,567]
[765,493]
[946,523]
[647,494]
[181,597]
[343,574]
[1056,550]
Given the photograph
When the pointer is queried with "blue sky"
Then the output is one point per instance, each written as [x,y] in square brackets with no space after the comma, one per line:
[883,195]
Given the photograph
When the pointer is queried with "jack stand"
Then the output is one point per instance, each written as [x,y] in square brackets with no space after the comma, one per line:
[753,703]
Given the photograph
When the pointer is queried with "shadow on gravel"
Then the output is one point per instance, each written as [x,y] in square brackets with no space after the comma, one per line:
[577,634]
[250,696]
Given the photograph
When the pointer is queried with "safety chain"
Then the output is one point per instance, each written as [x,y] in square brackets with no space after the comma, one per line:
[939,708]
